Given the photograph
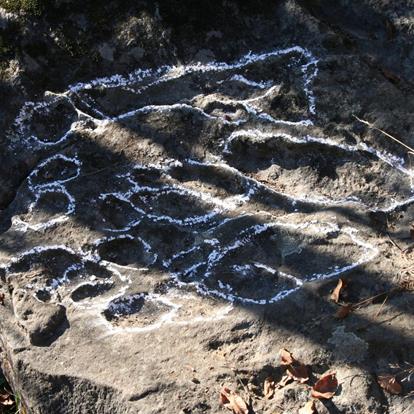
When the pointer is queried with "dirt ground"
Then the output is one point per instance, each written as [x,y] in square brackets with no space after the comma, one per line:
[182,188]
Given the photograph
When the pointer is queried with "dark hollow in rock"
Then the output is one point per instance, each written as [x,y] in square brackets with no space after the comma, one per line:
[172,203]
[43,295]
[89,290]
[116,213]
[125,251]
[166,238]
[51,122]
[38,274]
[54,170]
[95,269]
[56,260]
[49,205]
[211,178]
[330,171]
[42,322]
[147,176]
[248,281]
[135,310]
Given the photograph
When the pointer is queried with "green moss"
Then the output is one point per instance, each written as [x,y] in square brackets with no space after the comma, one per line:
[32,7]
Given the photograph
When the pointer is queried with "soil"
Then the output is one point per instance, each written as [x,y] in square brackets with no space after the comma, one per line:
[182,186]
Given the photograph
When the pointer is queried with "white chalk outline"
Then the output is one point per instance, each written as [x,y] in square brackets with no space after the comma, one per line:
[140,80]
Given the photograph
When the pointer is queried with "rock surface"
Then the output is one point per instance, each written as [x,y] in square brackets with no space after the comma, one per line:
[167,229]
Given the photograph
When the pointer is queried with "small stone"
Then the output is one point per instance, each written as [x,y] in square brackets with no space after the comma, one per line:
[137,53]
[204,56]
[30,63]
[106,51]
[348,346]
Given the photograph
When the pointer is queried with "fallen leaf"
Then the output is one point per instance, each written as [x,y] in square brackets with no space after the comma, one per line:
[343,311]
[298,372]
[284,381]
[337,291]
[389,383]
[286,357]
[309,408]
[233,401]
[269,387]
[6,399]
[326,386]
[391,30]
[390,75]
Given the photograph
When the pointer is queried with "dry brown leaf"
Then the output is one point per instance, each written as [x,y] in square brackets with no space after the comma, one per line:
[337,291]
[286,357]
[343,311]
[389,383]
[284,381]
[269,387]
[309,408]
[390,75]
[232,401]
[298,372]
[326,386]
[6,399]
[391,29]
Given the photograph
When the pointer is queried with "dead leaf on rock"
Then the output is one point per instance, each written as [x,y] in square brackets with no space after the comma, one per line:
[389,383]
[284,381]
[326,386]
[337,291]
[6,399]
[309,408]
[232,401]
[269,387]
[390,75]
[286,357]
[343,311]
[298,372]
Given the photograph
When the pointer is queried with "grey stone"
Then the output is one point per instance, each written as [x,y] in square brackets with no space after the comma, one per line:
[348,346]
[106,51]
[137,53]
[30,64]
[204,55]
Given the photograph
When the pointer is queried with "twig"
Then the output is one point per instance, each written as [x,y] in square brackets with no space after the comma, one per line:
[103,169]
[382,305]
[379,323]
[411,150]
[246,390]
[394,243]
[375,296]
[353,376]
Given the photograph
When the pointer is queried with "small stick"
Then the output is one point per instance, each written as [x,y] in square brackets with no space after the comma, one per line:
[374,297]
[394,243]
[103,169]
[380,323]
[382,305]
[411,150]
[234,370]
